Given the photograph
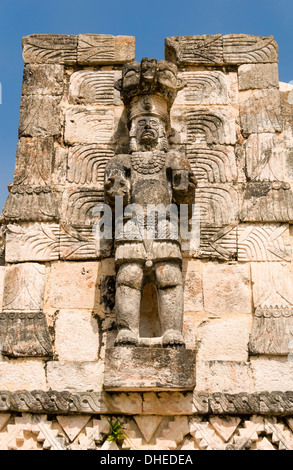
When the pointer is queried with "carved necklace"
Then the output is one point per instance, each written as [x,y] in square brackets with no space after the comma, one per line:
[148,166]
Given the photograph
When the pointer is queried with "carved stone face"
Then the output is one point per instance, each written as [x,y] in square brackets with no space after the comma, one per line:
[131,76]
[167,74]
[148,70]
[148,130]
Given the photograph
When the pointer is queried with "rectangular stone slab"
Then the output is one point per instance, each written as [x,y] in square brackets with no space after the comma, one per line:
[133,369]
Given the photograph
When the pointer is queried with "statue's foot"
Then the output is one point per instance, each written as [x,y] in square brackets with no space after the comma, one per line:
[173,339]
[126,338]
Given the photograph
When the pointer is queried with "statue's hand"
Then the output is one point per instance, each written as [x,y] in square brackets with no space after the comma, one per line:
[116,186]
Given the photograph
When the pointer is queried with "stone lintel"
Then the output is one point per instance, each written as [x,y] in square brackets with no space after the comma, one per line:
[158,369]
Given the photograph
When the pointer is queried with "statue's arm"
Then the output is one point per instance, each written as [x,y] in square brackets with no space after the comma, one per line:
[183,180]
[116,181]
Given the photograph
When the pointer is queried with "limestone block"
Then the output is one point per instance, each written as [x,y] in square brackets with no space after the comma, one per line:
[224,376]
[203,88]
[24,286]
[75,376]
[263,242]
[95,49]
[76,336]
[94,87]
[217,203]
[39,116]
[125,403]
[31,203]
[192,279]
[267,202]
[272,285]
[260,111]
[50,49]
[188,50]
[264,158]
[224,339]
[2,274]
[80,243]
[272,374]
[36,242]
[73,285]
[89,125]
[86,164]
[34,161]
[149,368]
[78,205]
[60,166]
[218,241]
[226,288]
[22,374]
[248,49]
[252,76]
[210,126]
[45,79]
[216,164]
[167,403]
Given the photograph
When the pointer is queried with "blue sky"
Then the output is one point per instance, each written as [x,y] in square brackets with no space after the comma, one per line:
[149,21]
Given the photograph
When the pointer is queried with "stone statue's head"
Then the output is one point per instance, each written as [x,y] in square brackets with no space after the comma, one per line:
[148,91]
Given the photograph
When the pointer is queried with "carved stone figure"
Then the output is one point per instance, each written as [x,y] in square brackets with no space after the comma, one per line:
[150,175]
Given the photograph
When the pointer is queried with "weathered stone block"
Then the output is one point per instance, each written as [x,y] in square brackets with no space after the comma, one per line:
[252,76]
[272,374]
[73,285]
[218,203]
[271,332]
[264,158]
[75,376]
[224,339]
[89,125]
[267,202]
[192,278]
[246,49]
[149,369]
[210,126]
[226,288]
[224,376]
[2,274]
[79,243]
[50,49]
[24,286]
[22,374]
[216,164]
[86,164]
[188,50]
[74,328]
[78,205]
[96,49]
[204,88]
[167,403]
[260,111]
[39,116]
[94,87]
[46,79]
[36,242]
[34,161]
[218,241]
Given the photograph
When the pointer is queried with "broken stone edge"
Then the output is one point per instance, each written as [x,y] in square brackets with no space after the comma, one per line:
[65,402]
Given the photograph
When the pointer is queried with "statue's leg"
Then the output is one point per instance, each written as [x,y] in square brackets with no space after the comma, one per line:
[129,282]
[171,306]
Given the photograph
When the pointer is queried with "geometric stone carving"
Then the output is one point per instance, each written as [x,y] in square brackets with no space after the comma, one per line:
[25,334]
[272,331]
[78,206]
[138,368]
[218,203]
[245,49]
[78,243]
[267,202]
[73,425]
[213,164]
[89,125]
[252,76]
[203,87]
[148,425]
[185,50]
[39,116]
[50,49]
[34,160]
[264,158]
[260,112]
[38,242]
[225,426]
[86,164]
[210,127]
[267,242]
[31,203]
[95,49]
[218,242]
[24,287]
[205,435]
[91,87]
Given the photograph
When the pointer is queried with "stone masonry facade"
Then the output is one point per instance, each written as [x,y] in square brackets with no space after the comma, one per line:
[232,120]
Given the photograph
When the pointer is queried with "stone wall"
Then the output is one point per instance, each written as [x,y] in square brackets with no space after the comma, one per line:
[233,121]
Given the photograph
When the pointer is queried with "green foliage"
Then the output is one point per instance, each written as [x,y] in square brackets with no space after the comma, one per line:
[116,431]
